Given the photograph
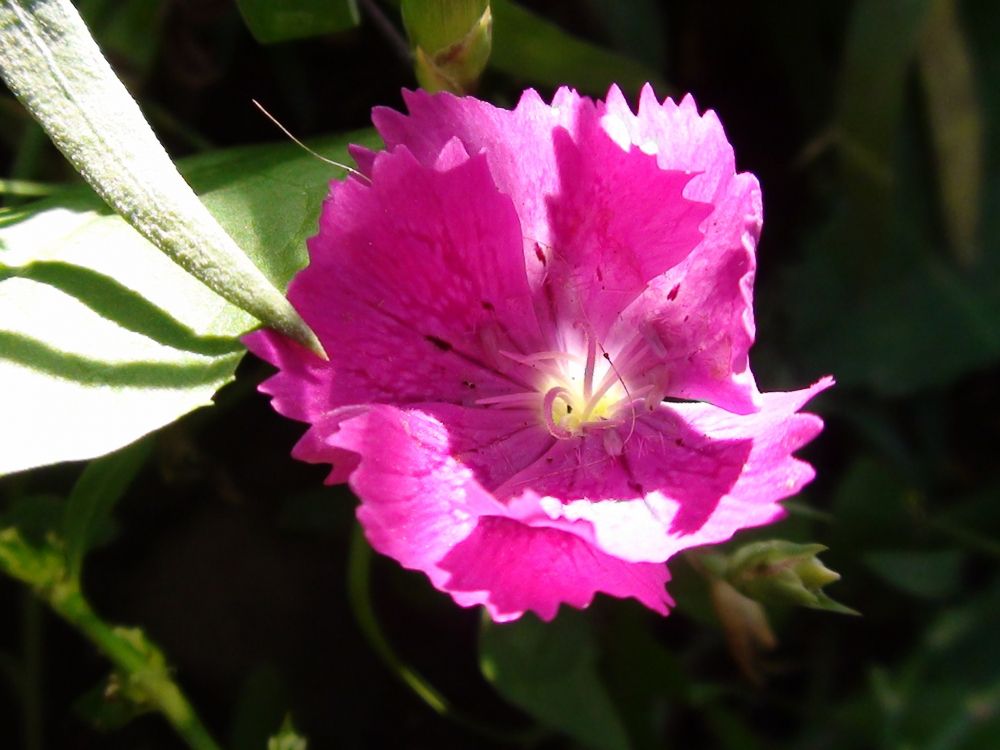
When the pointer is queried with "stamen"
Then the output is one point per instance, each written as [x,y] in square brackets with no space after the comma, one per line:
[527,399]
[654,341]
[609,380]
[548,405]
[532,359]
[588,372]
[613,444]
[640,394]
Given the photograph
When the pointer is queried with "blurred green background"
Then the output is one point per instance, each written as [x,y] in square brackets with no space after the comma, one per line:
[874,128]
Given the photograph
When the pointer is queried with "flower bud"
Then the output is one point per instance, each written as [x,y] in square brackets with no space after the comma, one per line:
[451,41]
[780,572]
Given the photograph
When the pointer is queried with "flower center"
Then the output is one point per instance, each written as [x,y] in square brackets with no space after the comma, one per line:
[581,392]
[580,388]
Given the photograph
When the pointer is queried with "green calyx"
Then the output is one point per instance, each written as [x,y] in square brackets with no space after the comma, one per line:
[781,572]
[451,42]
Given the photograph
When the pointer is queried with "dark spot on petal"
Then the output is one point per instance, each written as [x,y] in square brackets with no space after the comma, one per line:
[679,442]
[488,306]
[549,459]
[600,274]
[439,343]
[606,356]
[673,292]
[569,408]
[636,487]
[469,384]
[540,254]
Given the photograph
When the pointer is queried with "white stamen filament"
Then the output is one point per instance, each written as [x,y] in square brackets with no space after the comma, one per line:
[528,398]
[548,407]
[578,393]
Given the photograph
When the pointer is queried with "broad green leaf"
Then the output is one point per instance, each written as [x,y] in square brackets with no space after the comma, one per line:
[95,493]
[271,21]
[549,670]
[102,338]
[645,677]
[530,48]
[920,323]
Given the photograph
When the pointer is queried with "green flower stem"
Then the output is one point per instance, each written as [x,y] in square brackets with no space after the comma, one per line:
[53,66]
[358,591]
[150,679]
[358,586]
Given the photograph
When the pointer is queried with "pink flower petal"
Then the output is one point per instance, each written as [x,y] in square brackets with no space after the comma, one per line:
[658,522]
[512,568]
[701,309]
[517,143]
[425,508]
[414,284]
[617,222]
[506,297]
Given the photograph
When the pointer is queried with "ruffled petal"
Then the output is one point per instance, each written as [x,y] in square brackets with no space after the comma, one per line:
[699,311]
[513,568]
[423,507]
[598,223]
[617,222]
[517,143]
[414,284]
[494,443]
[689,475]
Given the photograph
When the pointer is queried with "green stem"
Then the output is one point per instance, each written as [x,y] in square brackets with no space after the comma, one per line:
[358,591]
[358,582]
[153,681]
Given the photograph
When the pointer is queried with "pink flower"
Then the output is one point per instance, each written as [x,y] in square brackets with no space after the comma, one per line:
[507,297]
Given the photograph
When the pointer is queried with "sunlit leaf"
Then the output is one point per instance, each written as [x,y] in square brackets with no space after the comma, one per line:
[51,63]
[102,338]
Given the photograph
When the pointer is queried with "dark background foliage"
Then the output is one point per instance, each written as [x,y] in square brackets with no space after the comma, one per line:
[233,557]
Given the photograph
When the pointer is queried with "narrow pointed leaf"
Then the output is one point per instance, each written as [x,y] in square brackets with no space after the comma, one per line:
[51,63]
[95,493]
[957,127]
